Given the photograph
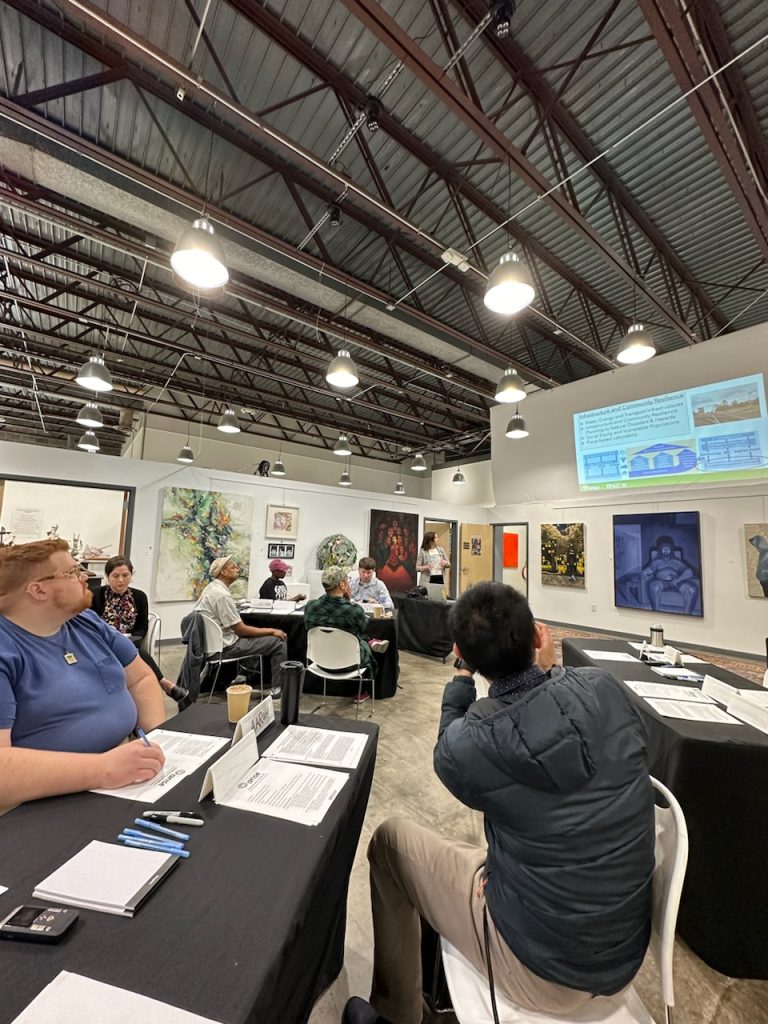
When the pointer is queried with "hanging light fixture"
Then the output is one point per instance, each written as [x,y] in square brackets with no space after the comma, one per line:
[342,446]
[399,488]
[509,287]
[186,455]
[342,372]
[502,11]
[334,215]
[346,478]
[90,416]
[89,442]
[199,257]
[636,346]
[228,423]
[516,428]
[372,114]
[93,375]
[279,467]
[510,387]
[459,478]
[418,465]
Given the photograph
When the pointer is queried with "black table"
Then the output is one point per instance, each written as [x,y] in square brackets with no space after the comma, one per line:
[423,626]
[292,625]
[718,773]
[248,930]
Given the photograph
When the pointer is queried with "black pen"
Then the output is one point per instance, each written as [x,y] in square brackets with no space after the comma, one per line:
[174,817]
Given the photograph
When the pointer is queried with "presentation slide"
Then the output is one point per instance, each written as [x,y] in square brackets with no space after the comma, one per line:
[714,433]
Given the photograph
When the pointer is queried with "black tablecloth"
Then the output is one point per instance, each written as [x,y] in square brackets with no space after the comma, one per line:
[248,930]
[718,773]
[423,626]
[293,626]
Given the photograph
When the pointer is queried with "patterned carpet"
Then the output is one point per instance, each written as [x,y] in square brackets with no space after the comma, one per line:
[752,668]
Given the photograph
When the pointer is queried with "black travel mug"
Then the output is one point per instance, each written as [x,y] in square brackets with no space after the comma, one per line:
[292,673]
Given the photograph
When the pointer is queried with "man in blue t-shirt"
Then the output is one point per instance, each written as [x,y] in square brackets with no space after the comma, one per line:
[71,687]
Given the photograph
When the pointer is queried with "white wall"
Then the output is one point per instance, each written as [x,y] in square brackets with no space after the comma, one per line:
[535,482]
[478,489]
[323,509]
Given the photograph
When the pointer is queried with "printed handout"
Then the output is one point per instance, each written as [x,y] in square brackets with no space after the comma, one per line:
[324,747]
[691,711]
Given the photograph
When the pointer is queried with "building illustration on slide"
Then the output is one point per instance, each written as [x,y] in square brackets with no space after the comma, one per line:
[662,459]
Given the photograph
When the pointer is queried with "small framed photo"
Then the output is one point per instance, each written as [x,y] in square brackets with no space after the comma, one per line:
[282,523]
[281,550]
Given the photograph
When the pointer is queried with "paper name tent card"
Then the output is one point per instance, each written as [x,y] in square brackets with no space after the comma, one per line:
[750,711]
[74,999]
[107,877]
[257,720]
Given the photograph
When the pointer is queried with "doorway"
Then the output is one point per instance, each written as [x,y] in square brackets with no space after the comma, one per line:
[510,555]
[445,533]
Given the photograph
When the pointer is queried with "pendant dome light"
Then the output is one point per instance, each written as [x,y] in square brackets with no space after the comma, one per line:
[228,422]
[399,488]
[342,372]
[279,467]
[345,479]
[516,428]
[93,375]
[509,287]
[90,416]
[342,446]
[636,346]
[510,387]
[459,478]
[186,455]
[89,442]
[199,257]
[418,465]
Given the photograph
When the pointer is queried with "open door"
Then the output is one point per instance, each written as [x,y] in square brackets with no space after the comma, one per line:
[476,555]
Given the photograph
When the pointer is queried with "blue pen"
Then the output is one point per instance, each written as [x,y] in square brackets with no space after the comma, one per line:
[138,845]
[143,736]
[160,828]
[136,834]
[156,844]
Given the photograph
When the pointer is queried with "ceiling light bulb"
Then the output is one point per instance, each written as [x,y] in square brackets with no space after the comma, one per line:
[89,416]
[516,428]
[279,468]
[199,257]
[228,423]
[346,480]
[399,488]
[510,388]
[334,215]
[186,454]
[89,442]
[458,478]
[509,287]
[94,376]
[636,346]
[342,446]
[418,465]
[342,372]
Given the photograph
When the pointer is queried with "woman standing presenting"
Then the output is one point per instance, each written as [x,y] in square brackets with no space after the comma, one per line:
[127,610]
[432,561]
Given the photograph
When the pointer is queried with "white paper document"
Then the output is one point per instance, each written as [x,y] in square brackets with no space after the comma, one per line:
[295,792]
[668,691]
[689,659]
[685,675]
[610,656]
[184,753]
[691,711]
[323,747]
[74,999]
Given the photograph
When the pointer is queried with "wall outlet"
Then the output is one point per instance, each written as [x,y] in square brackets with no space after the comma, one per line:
[593,607]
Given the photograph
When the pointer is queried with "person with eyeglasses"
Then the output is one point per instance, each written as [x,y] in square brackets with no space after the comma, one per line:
[72,689]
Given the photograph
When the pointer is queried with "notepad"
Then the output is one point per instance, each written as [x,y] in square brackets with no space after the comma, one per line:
[106,877]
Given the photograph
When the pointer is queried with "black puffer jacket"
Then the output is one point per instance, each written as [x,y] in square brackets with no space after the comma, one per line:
[560,774]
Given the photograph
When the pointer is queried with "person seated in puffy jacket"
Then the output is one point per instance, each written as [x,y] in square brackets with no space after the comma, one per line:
[556,761]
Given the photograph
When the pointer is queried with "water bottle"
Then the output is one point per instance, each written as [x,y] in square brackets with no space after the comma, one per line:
[292,673]
[657,636]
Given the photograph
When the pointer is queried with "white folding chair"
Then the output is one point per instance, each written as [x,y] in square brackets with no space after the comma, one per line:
[335,654]
[469,990]
[215,657]
[150,642]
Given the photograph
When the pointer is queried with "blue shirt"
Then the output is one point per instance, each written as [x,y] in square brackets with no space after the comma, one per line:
[374,591]
[49,705]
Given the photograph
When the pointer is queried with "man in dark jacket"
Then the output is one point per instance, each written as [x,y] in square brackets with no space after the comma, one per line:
[556,761]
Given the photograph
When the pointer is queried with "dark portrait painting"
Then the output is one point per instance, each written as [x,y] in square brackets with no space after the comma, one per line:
[657,562]
[394,544]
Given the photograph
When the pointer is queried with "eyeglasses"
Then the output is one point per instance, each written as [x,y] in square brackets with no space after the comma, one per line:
[73,573]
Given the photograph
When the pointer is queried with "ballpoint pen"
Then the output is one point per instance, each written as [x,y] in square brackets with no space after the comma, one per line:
[143,736]
[139,845]
[155,844]
[135,833]
[154,827]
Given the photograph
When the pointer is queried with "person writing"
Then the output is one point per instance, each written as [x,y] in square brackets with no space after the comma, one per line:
[432,561]
[365,588]
[126,609]
[273,589]
[71,688]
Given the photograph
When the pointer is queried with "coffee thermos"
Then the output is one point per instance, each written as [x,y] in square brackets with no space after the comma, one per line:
[657,636]
[292,673]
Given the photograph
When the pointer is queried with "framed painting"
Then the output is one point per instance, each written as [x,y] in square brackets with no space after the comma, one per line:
[282,522]
[657,562]
[394,544]
[562,555]
[281,550]
[756,557]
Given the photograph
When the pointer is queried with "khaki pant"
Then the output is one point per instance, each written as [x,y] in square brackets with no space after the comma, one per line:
[414,873]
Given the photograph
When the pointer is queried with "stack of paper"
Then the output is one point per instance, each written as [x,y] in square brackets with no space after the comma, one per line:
[73,999]
[112,879]
[692,711]
[668,691]
[283,607]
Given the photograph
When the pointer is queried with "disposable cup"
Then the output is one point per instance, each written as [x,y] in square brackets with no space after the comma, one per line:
[378,611]
[238,699]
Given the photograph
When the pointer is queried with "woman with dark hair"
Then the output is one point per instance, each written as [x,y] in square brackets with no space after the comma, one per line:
[127,610]
[432,560]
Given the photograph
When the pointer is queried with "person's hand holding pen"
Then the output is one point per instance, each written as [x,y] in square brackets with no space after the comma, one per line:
[137,761]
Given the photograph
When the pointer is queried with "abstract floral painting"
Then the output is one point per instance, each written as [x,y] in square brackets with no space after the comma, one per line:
[196,527]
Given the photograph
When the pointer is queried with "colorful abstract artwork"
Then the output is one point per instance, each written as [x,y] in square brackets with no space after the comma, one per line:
[196,527]
[562,555]
[394,544]
[756,555]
